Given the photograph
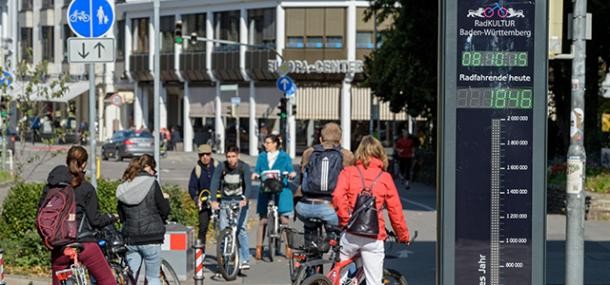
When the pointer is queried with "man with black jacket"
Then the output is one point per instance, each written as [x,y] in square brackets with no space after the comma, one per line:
[232,180]
[199,187]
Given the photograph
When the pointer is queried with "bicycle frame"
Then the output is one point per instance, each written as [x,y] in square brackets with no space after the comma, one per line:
[232,217]
[335,272]
[272,212]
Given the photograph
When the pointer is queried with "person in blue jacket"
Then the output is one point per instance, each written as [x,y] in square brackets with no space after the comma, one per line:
[273,159]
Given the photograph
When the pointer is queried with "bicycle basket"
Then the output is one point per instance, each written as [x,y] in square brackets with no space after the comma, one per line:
[298,241]
[272,186]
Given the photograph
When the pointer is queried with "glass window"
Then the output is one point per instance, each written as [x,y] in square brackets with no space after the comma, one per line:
[27,5]
[262,27]
[315,42]
[120,39]
[48,40]
[168,24]
[334,42]
[141,36]
[295,42]
[193,23]
[47,4]
[226,27]
[364,40]
[26,44]
[67,33]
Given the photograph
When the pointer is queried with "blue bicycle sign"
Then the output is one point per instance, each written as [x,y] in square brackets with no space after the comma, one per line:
[90,18]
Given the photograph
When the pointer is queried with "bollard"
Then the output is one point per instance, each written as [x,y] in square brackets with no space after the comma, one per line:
[98,169]
[199,257]
[2,267]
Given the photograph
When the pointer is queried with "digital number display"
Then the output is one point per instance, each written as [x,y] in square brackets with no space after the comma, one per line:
[494,59]
[494,98]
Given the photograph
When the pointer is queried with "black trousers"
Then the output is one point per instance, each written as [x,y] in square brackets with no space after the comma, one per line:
[406,167]
[204,222]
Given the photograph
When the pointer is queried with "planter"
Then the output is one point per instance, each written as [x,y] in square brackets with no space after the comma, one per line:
[600,206]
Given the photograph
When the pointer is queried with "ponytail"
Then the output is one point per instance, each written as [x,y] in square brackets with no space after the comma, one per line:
[77,157]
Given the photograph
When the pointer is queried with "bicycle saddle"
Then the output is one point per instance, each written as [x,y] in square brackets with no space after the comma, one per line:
[75,245]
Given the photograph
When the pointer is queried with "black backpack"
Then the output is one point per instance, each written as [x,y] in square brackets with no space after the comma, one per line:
[364,220]
[322,170]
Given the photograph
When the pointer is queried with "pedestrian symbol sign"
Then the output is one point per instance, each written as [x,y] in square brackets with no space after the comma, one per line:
[90,18]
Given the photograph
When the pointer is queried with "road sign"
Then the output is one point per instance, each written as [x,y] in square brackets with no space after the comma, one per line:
[285,84]
[235,100]
[283,69]
[90,18]
[6,78]
[88,50]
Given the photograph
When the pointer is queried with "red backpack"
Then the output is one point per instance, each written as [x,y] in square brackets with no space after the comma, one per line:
[56,218]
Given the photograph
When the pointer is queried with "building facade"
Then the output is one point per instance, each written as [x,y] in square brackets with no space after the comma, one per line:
[322,45]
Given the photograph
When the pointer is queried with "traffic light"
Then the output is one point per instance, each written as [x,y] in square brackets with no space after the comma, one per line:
[232,110]
[294,109]
[193,39]
[178,33]
[283,108]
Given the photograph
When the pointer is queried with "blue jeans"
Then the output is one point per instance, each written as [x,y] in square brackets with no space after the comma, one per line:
[324,212]
[242,232]
[151,254]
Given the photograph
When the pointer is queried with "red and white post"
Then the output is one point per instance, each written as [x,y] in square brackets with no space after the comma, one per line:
[199,257]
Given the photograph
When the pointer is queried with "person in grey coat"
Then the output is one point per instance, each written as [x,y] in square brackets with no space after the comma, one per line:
[143,209]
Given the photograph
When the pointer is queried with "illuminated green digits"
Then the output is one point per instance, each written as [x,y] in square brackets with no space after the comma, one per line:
[513,98]
[526,98]
[522,59]
[476,58]
[499,98]
[499,59]
[466,57]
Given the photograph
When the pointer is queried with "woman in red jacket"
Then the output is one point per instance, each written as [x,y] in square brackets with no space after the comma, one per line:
[370,160]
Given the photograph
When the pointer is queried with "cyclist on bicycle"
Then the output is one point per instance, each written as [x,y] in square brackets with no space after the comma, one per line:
[273,159]
[87,215]
[199,185]
[233,179]
[143,210]
[321,165]
[369,169]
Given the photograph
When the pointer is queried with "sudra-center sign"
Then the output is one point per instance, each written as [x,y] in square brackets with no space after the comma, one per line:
[319,66]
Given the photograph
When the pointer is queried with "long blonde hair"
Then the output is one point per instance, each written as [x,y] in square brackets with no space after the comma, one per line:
[136,165]
[369,148]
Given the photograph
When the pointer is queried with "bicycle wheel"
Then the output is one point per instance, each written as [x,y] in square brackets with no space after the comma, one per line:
[168,275]
[271,236]
[303,273]
[393,277]
[317,279]
[122,275]
[228,265]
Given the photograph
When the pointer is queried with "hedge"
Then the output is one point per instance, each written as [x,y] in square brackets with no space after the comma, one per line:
[24,252]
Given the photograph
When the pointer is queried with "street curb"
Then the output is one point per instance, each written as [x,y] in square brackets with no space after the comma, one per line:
[25,280]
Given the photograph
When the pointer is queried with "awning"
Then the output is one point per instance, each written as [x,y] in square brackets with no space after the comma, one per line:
[74,89]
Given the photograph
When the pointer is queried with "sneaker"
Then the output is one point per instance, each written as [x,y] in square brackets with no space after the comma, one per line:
[244,266]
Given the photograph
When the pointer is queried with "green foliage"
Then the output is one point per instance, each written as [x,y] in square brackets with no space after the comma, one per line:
[184,210]
[24,251]
[599,183]
[403,70]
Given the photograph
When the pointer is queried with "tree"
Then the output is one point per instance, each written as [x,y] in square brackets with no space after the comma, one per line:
[31,82]
[403,70]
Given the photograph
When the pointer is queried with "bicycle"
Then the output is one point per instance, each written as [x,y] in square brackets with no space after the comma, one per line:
[227,248]
[77,274]
[310,245]
[114,249]
[115,255]
[489,11]
[341,273]
[79,16]
[274,229]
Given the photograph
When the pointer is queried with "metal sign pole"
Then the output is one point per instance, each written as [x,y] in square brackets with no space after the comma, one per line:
[92,133]
[156,101]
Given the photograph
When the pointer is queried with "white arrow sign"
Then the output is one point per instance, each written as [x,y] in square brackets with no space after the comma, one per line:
[90,50]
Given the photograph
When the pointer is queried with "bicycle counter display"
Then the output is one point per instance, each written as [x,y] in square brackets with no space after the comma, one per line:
[493,121]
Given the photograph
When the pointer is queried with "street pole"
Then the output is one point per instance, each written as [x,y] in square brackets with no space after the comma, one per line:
[156,87]
[92,135]
[290,128]
[576,153]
